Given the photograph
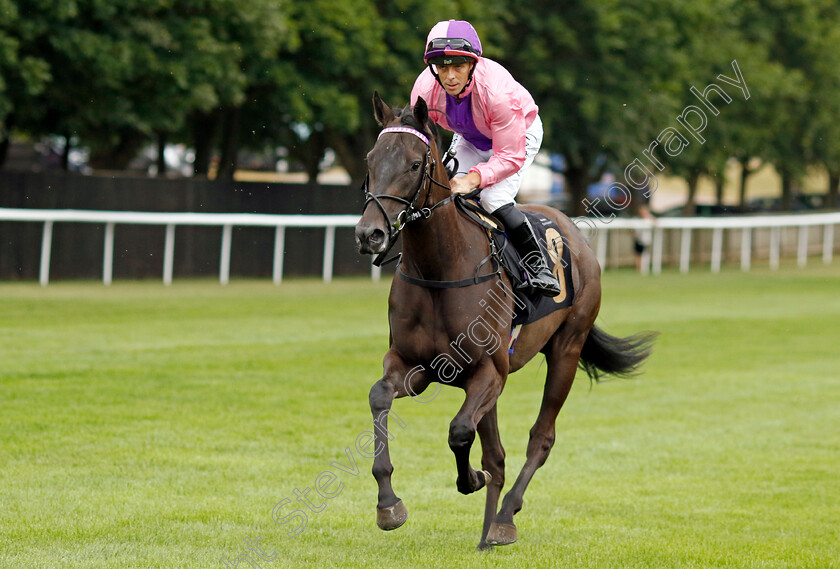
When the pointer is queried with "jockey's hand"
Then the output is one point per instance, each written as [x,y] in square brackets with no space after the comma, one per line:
[465,184]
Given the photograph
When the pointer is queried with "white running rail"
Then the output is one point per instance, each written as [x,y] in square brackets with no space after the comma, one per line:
[171,220]
[654,230]
[651,259]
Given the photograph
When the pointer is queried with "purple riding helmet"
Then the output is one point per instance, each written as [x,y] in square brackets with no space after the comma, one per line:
[452,42]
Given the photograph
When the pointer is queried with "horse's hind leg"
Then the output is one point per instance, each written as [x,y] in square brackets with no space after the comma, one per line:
[562,361]
[492,461]
[390,510]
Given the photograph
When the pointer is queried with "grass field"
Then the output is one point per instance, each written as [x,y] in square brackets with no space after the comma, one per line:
[147,426]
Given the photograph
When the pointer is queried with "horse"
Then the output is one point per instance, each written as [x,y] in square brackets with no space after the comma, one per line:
[444,328]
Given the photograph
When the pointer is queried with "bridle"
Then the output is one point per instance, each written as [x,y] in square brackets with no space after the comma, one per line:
[411,212]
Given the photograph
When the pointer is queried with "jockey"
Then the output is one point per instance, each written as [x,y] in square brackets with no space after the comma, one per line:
[498,132]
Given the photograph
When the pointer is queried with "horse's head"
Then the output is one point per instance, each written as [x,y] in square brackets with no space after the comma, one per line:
[400,168]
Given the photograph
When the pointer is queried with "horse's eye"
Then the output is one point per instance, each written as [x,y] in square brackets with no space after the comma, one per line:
[415,166]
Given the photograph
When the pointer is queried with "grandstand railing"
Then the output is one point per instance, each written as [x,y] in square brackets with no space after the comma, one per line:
[653,230]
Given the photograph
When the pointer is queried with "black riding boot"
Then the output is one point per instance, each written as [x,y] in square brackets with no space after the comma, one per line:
[525,241]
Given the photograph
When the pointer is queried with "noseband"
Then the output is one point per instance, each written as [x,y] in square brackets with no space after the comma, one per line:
[411,212]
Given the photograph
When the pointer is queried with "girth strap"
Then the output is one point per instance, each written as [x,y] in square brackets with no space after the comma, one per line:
[452,284]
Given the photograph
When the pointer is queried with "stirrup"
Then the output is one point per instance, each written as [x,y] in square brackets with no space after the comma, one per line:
[542,281]
[551,288]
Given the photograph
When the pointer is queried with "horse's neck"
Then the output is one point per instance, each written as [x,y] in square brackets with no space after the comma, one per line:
[442,247]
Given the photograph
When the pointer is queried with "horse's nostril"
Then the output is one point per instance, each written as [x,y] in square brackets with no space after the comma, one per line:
[370,240]
[377,237]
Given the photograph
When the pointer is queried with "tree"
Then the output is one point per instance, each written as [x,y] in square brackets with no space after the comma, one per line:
[118,76]
[606,75]
[823,53]
[609,76]
[709,42]
[335,47]
[88,61]
[22,76]
[254,34]
[796,34]
[343,53]
[739,117]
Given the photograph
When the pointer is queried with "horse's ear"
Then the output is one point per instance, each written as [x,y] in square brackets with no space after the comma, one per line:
[421,112]
[382,112]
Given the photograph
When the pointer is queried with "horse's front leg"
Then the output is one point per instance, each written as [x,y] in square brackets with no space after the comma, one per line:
[483,389]
[398,381]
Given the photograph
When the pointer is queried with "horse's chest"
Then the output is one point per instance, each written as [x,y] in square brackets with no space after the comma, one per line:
[444,336]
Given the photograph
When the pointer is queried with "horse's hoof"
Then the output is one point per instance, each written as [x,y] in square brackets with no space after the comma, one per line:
[501,534]
[483,546]
[482,479]
[391,517]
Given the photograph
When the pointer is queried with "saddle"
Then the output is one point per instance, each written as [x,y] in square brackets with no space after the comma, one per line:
[529,306]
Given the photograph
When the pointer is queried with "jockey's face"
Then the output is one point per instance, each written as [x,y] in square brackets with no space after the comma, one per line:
[454,77]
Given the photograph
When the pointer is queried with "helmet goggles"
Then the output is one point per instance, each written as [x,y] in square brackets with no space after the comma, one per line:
[458,44]
[448,48]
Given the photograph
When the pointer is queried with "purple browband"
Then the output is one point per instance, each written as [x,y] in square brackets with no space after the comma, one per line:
[405,129]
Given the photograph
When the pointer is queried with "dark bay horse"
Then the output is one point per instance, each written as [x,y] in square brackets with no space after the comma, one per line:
[450,319]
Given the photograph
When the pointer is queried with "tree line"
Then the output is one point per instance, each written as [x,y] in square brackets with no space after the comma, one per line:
[610,76]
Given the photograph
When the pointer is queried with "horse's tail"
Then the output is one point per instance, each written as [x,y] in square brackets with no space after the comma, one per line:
[606,354]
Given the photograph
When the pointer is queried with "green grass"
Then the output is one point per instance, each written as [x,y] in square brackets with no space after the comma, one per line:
[148,426]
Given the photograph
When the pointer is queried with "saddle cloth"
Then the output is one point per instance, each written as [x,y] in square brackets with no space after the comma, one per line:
[530,306]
